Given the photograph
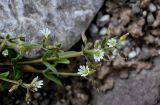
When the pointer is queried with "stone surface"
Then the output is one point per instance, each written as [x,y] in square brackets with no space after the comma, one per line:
[138,89]
[65,18]
[150,18]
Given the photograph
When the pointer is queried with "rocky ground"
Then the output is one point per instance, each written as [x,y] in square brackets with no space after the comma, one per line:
[130,79]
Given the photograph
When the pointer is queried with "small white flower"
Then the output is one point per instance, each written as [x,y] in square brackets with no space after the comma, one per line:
[98,55]
[5,52]
[83,70]
[35,84]
[112,42]
[46,32]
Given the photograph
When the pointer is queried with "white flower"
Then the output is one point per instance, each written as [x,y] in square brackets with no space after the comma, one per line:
[46,32]
[5,52]
[35,84]
[98,55]
[112,42]
[83,70]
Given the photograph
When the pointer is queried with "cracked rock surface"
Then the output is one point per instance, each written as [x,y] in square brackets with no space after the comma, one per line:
[66,19]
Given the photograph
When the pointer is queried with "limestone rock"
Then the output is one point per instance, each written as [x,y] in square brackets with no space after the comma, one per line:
[65,18]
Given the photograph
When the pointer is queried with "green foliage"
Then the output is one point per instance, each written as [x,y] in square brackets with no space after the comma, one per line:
[51,77]
[51,57]
[16,70]
[49,66]
[4,75]
[123,37]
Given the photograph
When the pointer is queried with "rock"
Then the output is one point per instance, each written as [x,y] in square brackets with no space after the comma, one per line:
[103,72]
[156,32]
[66,19]
[150,18]
[135,29]
[108,84]
[93,29]
[125,16]
[157,21]
[132,54]
[145,3]
[144,13]
[103,31]
[45,102]
[136,9]
[152,7]
[103,20]
[138,89]
[132,1]
[36,95]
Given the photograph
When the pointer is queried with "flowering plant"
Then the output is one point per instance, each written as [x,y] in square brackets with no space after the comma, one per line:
[52,56]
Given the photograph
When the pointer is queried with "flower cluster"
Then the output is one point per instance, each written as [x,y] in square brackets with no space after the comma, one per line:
[112,42]
[46,32]
[35,84]
[98,55]
[5,53]
[83,71]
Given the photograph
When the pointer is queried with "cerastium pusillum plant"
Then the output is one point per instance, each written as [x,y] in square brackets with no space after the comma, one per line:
[52,55]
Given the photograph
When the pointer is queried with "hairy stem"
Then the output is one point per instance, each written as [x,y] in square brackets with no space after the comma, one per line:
[65,73]
[75,54]
[10,81]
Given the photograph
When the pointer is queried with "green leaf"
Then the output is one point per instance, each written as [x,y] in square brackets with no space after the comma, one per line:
[123,37]
[27,45]
[104,42]
[16,72]
[7,36]
[4,75]
[84,38]
[86,46]
[47,54]
[12,53]
[49,66]
[51,77]
[68,53]
[96,44]
[63,61]
[107,51]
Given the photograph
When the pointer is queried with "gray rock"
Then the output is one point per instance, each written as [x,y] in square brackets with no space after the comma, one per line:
[136,9]
[138,89]
[103,31]
[93,29]
[103,20]
[150,18]
[65,18]
[152,7]
[144,13]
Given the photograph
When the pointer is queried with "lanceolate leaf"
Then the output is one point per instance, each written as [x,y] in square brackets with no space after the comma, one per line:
[51,77]
[123,37]
[49,66]
[96,44]
[4,75]
[16,72]
[104,43]
[63,61]
[47,54]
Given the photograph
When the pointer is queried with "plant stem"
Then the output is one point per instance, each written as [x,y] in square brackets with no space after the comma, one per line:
[11,81]
[24,85]
[5,64]
[75,54]
[64,73]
